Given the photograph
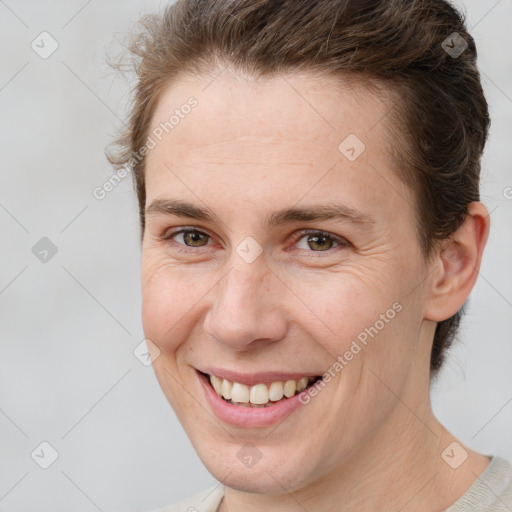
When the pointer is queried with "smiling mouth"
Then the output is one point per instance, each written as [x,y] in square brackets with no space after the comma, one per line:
[259,395]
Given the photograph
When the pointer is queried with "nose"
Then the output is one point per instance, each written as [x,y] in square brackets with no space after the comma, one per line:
[246,310]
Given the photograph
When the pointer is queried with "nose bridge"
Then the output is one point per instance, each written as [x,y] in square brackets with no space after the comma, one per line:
[245,282]
[245,309]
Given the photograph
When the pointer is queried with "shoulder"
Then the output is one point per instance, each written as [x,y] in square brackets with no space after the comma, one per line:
[499,482]
[491,492]
[207,500]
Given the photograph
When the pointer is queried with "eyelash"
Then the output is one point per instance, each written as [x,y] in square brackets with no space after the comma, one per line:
[342,242]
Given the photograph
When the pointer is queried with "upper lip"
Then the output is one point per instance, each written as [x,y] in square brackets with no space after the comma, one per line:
[253,378]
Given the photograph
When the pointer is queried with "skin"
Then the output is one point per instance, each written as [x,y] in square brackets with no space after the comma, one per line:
[369,440]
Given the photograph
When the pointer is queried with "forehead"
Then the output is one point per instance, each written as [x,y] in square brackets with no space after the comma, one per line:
[302,108]
[305,135]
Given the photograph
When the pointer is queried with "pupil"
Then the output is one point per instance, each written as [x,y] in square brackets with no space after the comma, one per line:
[194,237]
[315,240]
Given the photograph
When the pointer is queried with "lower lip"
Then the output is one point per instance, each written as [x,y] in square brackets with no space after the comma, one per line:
[248,417]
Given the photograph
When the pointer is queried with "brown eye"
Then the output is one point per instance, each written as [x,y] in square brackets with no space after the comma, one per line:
[190,238]
[319,241]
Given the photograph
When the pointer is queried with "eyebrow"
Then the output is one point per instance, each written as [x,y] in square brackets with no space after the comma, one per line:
[336,212]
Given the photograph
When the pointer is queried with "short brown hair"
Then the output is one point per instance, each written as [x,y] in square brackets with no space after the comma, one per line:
[439,122]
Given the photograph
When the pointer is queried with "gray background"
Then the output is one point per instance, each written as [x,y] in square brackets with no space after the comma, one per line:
[68,375]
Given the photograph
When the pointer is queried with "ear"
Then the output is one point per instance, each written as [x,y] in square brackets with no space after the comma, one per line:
[456,265]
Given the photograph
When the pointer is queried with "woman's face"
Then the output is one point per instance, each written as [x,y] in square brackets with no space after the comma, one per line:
[274,287]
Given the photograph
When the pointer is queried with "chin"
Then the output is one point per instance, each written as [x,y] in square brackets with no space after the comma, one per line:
[269,475]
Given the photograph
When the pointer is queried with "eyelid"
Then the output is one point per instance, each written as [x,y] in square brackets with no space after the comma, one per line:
[296,236]
[170,233]
[341,241]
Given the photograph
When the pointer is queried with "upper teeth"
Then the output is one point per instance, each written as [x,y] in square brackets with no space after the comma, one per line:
[258,394]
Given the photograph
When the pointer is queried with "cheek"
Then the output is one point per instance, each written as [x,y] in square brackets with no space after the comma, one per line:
[168,300]
[362,320]
[340,304]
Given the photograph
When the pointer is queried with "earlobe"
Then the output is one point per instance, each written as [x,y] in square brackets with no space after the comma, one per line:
[458,260]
